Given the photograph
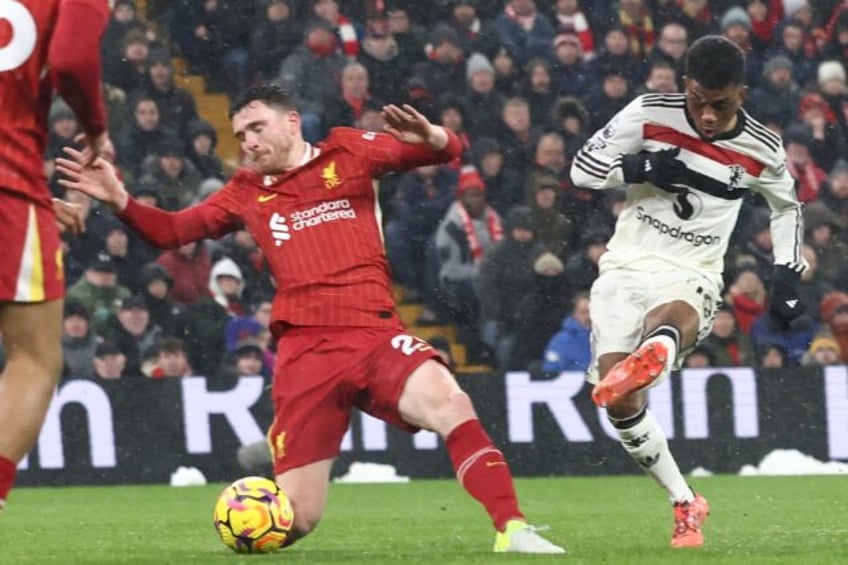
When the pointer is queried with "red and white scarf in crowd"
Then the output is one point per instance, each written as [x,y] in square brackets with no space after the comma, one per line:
[577,24]
[493,224]
[347,35]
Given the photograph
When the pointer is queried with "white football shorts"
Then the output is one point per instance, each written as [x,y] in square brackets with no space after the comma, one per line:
[620,300]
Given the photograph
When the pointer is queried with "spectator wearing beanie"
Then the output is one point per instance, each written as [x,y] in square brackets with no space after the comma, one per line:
[98,289]
[776,96]
[736,26]
[570,71]
[173,175]
[503,186]
[831,77]
[506,272]
[824,350]
[443,71]
[78,341]
[202,141]
[469,229]
[155,288]
[483,104]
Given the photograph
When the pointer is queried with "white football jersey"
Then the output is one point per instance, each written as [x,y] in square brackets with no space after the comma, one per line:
[659,230]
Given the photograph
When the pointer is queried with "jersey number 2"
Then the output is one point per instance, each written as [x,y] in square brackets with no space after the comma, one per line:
[24,33]
[408,344]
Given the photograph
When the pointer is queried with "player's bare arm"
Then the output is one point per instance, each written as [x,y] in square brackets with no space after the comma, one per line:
[411,126]
[97,179]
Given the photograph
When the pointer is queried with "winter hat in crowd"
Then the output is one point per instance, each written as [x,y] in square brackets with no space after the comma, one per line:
[59,110]
[201,127]
[248,346]
[443,33]
[548,264]
[76,308]
[520,217]
[814,101]
[825,342]
[792,7]
[136,301]
[817,214]
[735,16]
[209,187]
[567,38]
[485,146]
[478,63]
[102,263]
[839,168]
[777,62]
[799,134]
[241,328]
[469,179]
[831,70]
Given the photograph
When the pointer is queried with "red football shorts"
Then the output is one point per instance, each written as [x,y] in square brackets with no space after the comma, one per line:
[321,373]
[31,270]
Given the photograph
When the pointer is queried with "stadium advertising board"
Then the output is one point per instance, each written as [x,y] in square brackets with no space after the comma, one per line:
[140,431]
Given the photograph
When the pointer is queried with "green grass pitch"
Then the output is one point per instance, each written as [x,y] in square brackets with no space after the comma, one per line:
[622,520]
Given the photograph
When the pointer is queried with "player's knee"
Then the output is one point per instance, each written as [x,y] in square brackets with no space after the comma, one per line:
[456,408]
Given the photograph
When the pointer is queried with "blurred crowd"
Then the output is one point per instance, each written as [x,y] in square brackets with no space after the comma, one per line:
[498,243]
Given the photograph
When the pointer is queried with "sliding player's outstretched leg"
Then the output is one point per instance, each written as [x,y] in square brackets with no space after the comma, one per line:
[432,399]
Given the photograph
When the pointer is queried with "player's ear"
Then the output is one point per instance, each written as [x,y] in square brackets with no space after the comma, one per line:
[741,93]
[293,122]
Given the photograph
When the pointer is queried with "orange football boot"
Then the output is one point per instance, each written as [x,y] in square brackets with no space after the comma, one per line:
[688,519]
[635,372]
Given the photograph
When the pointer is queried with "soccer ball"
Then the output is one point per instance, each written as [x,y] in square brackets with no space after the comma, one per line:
[253,515]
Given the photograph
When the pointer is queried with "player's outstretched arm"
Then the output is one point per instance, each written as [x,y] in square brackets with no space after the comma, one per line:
[97,179]
[211,218]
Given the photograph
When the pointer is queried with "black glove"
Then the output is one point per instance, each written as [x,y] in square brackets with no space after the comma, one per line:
[660,168]
[784,304]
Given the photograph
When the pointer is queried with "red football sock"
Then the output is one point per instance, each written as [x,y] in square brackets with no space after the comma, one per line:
[482,471]
[8,470]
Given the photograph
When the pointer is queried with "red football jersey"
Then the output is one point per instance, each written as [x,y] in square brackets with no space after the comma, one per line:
[45,45]
[318,225]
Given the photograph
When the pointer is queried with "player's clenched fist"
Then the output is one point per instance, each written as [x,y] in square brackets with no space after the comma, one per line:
[660,168]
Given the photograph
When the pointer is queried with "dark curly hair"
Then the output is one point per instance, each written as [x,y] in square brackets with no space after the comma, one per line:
[715,62]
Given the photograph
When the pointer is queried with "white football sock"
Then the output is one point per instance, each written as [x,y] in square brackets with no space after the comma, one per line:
[643,438]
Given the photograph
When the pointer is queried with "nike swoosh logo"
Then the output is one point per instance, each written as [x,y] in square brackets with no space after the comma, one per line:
[493,463]
[267,197]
